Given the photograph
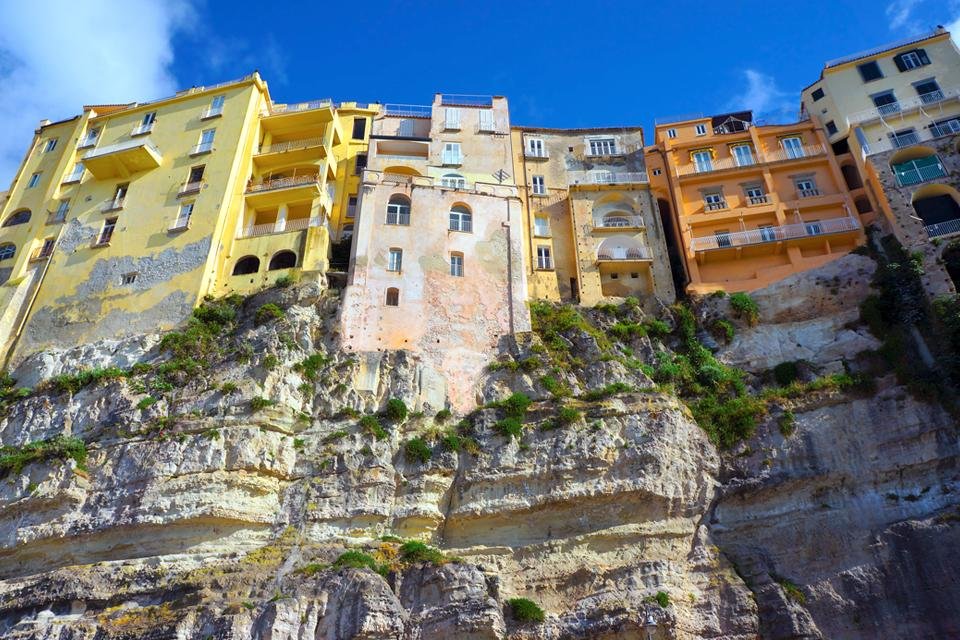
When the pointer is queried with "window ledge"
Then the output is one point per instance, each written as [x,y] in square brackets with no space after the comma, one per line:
[544,269]
[100,245]
[194,154]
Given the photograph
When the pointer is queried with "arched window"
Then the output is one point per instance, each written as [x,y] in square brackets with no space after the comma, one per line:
[453,181]
[460,218]
[616,220]
[7,251]
[246,265]
[398,209]
[393,297]
[20,217]
[282,260]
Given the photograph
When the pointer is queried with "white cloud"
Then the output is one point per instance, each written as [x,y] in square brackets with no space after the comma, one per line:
[57,55]
[901,18]
[767,101]
[953,25]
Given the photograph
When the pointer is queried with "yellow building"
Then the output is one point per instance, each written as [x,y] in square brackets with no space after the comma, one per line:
[122,219]
[592,229]
[750,204]
[892,115]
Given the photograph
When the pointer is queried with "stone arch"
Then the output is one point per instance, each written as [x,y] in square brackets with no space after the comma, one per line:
[246,265]
[284,259]
[18,217]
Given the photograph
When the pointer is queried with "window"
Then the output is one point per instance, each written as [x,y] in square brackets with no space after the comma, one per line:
[701,129]
[603,147]
[398,209]
[541,226]
[215,109]
[146,124]
[817,94]
[456,264]
[461,219]
[61,213]
[657,172]
[359,163]
[359,128]
[451,118]
[886,102]
[929,91]
[945,127]
[806,188]
[351,206]
[755,194]
[50,146]
[106,233]
[90,139]
[544,261]
[20,217]
[714,201]
[743,154]
[393,297]
[34,181]
[405,129]
[7,251]
[77,174]
[196,174]
[285,259]
[814,228]
[911,60]
[768,232]
[347,232]
[128,278]
[671,133]
[451,153]
[486,120]
[904,138]
[119,195]
[723,238]
[246,265]
[919,170]
[46,249]
[539,186]
[536,148]
[395,260]
[793,147]
[702,161]
[183,216]
[206,142]
[453,181]
[831,128]
[870,71]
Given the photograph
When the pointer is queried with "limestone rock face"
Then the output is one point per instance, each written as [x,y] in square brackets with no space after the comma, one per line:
[221,506]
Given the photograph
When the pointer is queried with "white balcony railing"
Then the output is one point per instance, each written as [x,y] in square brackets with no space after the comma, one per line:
[776,155]
[289,145]
[794,153]
[947,228]
[113,204]
[715,206]
[625,253]
[189,187]
[898,109]
[211,112]
[287,226]
[610,177]
[142,129]
[911,138]
[452,158]
[755,200]
[283,183]
[300,106]
[774,234]
[619,222]
[203,147]
[808,193]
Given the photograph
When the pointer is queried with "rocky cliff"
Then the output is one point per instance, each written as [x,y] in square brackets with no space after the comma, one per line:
[245,478]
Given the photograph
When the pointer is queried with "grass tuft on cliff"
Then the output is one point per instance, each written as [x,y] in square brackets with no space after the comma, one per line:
[525,610]
[14,459]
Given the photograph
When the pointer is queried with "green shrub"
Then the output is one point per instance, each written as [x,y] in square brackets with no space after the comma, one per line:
[793,591]
[311,569]
[228,387]
[611,389]
[268,312]
[334,436]
[310,366]
[516,405]
[624,330]
[146,403]
[787,423]
[565,417]
[359,560]
[269,361]
[556,388]
[509,427]
[442,416]
[74,382]
[371,424]
[396,409]
[724,329]
[299,443]
[452,442]
[14,459]
[284,281]
[524,610]
[413,551]
[657,328]
[745,307]
[258,403]
[417,450]
[662,598]
[786,372]
[727,420]
[508,364]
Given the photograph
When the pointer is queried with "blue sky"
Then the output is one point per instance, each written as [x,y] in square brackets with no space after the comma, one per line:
[561,64]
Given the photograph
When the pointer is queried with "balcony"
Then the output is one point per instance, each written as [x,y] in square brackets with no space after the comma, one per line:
[142,129]
[920,170]
[462,100]
[715,206]
[211,112]
[807,193]
[948,228]
[113,204]
[536,154]
[189,188]
[610,177]
[279,190]
[288,226]
[887,112]
[182,223]
[122,159]
[758,200]
[619,222]
[767,157]
[622,254]
[774,234]
[914,137]
[288,152]
[794,153]
[408,110]
[298,119]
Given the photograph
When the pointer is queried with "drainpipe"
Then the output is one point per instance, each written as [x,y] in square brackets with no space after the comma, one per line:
[506,225]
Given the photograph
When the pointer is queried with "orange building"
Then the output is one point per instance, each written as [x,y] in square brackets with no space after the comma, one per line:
[749,204]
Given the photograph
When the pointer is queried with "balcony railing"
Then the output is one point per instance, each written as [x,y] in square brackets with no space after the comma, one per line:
[142,128]
[460,100]
[911,138]
[270,228]
[189,187]
[774,234]
[283,183]
[619,222]
[211,112]
[113,204]
[203,147]
[715,206]
[276,109]
[897,109]
[56,217]
[279,147]
[947,228]
[754,200]
[618,178]
[911,173]
[808,193]
[794,153]
[408,110]
[619,253]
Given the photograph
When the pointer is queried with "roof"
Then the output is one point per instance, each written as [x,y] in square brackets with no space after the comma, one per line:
[579,130]
[886,47]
